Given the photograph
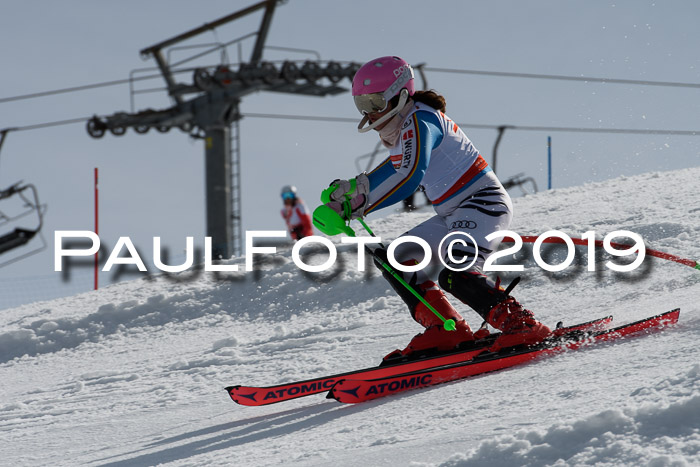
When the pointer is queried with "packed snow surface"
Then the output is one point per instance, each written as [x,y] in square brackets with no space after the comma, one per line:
[134,374]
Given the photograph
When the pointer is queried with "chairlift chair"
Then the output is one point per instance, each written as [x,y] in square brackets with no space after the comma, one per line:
[20,236]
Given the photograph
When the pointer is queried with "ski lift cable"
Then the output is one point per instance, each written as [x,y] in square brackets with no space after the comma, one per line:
[587,79]
[491,127]
[423,67]
[86,87]
[635,131]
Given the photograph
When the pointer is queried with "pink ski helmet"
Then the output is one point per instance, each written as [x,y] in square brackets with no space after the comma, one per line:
[378,81]
[379,74]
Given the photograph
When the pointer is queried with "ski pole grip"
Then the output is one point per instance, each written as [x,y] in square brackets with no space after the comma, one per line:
[326,194]
[330,223]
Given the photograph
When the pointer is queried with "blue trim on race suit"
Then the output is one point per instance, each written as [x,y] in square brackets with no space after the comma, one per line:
[429,137]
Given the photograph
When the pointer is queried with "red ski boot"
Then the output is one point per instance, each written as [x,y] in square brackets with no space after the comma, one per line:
[435,336]
[518,325]
[496,306]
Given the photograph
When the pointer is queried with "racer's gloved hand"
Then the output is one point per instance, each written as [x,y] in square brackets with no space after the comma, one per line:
[354,191]
[357,207]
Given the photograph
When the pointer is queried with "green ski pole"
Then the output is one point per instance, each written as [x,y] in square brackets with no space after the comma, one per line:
[448,324]
[331,223]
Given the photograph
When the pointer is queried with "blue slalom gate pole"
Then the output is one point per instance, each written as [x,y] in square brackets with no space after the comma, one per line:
[549,162]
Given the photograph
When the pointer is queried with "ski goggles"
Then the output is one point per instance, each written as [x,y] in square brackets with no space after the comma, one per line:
[370,103]
[287,195]
[378,101]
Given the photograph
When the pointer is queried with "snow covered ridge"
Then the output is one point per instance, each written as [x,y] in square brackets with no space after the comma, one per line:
[133,374]
[646,432]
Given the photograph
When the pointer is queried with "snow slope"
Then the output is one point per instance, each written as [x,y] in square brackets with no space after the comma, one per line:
[134,374]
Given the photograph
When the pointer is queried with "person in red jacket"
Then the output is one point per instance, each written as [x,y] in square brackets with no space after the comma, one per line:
[295,214]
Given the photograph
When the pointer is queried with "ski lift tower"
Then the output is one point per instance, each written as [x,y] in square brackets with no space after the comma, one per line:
[213,113]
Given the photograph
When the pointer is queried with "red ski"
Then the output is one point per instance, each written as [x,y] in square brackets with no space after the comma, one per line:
[253,396]
[352,390]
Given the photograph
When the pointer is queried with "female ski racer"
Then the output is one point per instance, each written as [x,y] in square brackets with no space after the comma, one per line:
[427,150]
[295,214]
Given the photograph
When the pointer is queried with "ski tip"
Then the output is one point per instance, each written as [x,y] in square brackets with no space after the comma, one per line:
[671,317]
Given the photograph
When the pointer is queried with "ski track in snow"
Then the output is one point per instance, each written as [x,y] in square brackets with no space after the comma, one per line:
[134,374]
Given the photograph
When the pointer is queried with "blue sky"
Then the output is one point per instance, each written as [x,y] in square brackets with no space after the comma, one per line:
[153,185]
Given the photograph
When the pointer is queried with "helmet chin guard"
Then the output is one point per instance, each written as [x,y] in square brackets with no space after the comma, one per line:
[403,97]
